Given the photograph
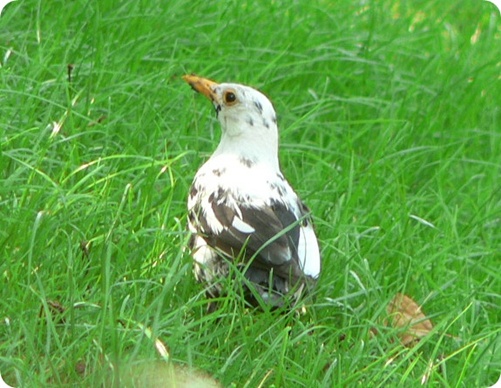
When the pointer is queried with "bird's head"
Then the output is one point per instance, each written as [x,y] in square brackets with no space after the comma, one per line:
[241,110]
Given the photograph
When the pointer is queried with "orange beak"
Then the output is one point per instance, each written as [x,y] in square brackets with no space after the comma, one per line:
[201,85]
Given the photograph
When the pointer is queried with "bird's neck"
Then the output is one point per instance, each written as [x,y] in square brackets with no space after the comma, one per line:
[250,149]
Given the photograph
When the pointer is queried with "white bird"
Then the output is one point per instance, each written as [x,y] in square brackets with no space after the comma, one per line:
[242,213]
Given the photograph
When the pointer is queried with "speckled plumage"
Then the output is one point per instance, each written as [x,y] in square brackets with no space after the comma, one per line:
[242,211]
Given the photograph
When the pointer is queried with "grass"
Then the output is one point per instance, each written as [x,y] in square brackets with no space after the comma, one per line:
[390,130]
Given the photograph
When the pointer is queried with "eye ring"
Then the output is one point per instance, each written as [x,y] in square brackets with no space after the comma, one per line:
[229,97]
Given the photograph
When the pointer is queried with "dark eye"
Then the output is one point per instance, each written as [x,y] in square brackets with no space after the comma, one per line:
[229,98]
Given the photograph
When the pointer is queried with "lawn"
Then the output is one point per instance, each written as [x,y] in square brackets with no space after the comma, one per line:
[390,117]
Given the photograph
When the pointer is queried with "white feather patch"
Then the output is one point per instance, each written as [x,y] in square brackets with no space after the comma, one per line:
[308,251]
[242,226]
[214,225]
[201,252]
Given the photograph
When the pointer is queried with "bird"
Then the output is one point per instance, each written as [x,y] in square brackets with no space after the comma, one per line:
[243,215]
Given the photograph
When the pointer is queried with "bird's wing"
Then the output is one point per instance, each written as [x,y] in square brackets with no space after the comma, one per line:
[272,234]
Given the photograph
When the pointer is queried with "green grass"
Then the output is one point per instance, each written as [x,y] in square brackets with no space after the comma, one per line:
[389,114]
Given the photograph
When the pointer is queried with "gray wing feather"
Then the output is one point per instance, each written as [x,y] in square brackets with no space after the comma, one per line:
[271,246]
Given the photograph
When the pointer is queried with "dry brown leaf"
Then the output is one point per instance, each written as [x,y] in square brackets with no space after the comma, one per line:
[56,309]
[80,367]
[85,248]
[407,315]
[98,121]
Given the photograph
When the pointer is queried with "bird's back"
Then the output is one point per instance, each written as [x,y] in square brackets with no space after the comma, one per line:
[247,211]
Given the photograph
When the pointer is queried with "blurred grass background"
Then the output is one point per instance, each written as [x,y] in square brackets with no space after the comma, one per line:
[390,131]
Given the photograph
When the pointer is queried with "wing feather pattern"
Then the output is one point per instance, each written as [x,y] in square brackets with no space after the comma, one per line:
[273,240]
[271,234]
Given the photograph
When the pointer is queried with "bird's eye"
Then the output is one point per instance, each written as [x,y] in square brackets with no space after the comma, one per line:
[229,97]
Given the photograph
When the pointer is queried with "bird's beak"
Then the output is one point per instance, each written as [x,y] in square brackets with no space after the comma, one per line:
[202,85]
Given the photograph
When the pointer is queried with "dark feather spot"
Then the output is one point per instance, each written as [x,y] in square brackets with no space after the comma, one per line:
[280,176]
[212,197]
[247,162]
[274,119]
[258,106]
[279,188]
[217,196]
[218,171]
[250,121]
[218,109]
[193,191]
[266,124]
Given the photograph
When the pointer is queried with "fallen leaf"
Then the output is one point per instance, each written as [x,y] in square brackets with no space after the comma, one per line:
[98,121]
[56,309]
[80,367]
[407,315]
[85,248]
